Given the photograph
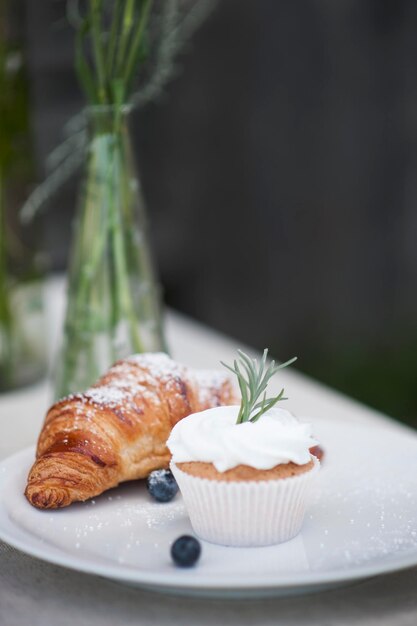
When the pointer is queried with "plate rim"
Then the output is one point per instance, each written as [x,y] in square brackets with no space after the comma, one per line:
[178,579]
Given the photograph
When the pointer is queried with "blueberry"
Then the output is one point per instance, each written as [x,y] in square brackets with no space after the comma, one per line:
[162,485]
[185,551]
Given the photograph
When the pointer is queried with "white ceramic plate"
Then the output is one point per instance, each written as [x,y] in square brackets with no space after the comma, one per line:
[362,522]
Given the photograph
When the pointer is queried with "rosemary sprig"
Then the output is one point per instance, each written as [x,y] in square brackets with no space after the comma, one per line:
[253,379]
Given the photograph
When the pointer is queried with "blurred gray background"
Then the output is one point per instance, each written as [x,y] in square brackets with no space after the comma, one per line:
[280,174]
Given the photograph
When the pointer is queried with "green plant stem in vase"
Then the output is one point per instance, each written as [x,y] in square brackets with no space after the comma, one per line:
[113,299]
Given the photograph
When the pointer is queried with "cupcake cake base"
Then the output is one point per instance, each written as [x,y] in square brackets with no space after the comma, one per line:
[246,506]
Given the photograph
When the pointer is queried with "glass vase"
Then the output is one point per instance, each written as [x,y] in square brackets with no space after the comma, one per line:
[113,307]
[23,354]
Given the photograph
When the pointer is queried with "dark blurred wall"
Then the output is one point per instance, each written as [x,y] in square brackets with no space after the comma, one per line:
[280,171]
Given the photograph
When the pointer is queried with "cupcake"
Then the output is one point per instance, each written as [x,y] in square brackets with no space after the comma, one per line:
[245,472]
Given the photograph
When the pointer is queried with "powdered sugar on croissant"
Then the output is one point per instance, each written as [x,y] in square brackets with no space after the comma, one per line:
[117,430]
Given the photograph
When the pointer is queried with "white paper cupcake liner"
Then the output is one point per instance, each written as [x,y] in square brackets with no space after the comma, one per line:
[246,513]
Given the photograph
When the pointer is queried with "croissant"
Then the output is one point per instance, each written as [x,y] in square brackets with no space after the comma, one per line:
[117,430]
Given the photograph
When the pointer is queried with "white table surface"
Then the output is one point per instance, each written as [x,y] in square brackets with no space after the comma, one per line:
[36,593]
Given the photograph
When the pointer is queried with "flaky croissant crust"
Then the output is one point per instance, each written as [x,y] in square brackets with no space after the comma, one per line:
[117,430]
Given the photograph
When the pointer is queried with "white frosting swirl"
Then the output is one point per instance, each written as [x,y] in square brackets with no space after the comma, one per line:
[212,436]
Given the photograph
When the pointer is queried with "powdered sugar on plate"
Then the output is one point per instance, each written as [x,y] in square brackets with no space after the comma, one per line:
[362,522]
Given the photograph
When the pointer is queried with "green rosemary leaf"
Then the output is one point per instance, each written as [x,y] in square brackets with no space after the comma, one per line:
[242,386]
[243,390]
[253,379]
[263,402]
[247,363]
[289,362]
[228,367]
[265,406]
